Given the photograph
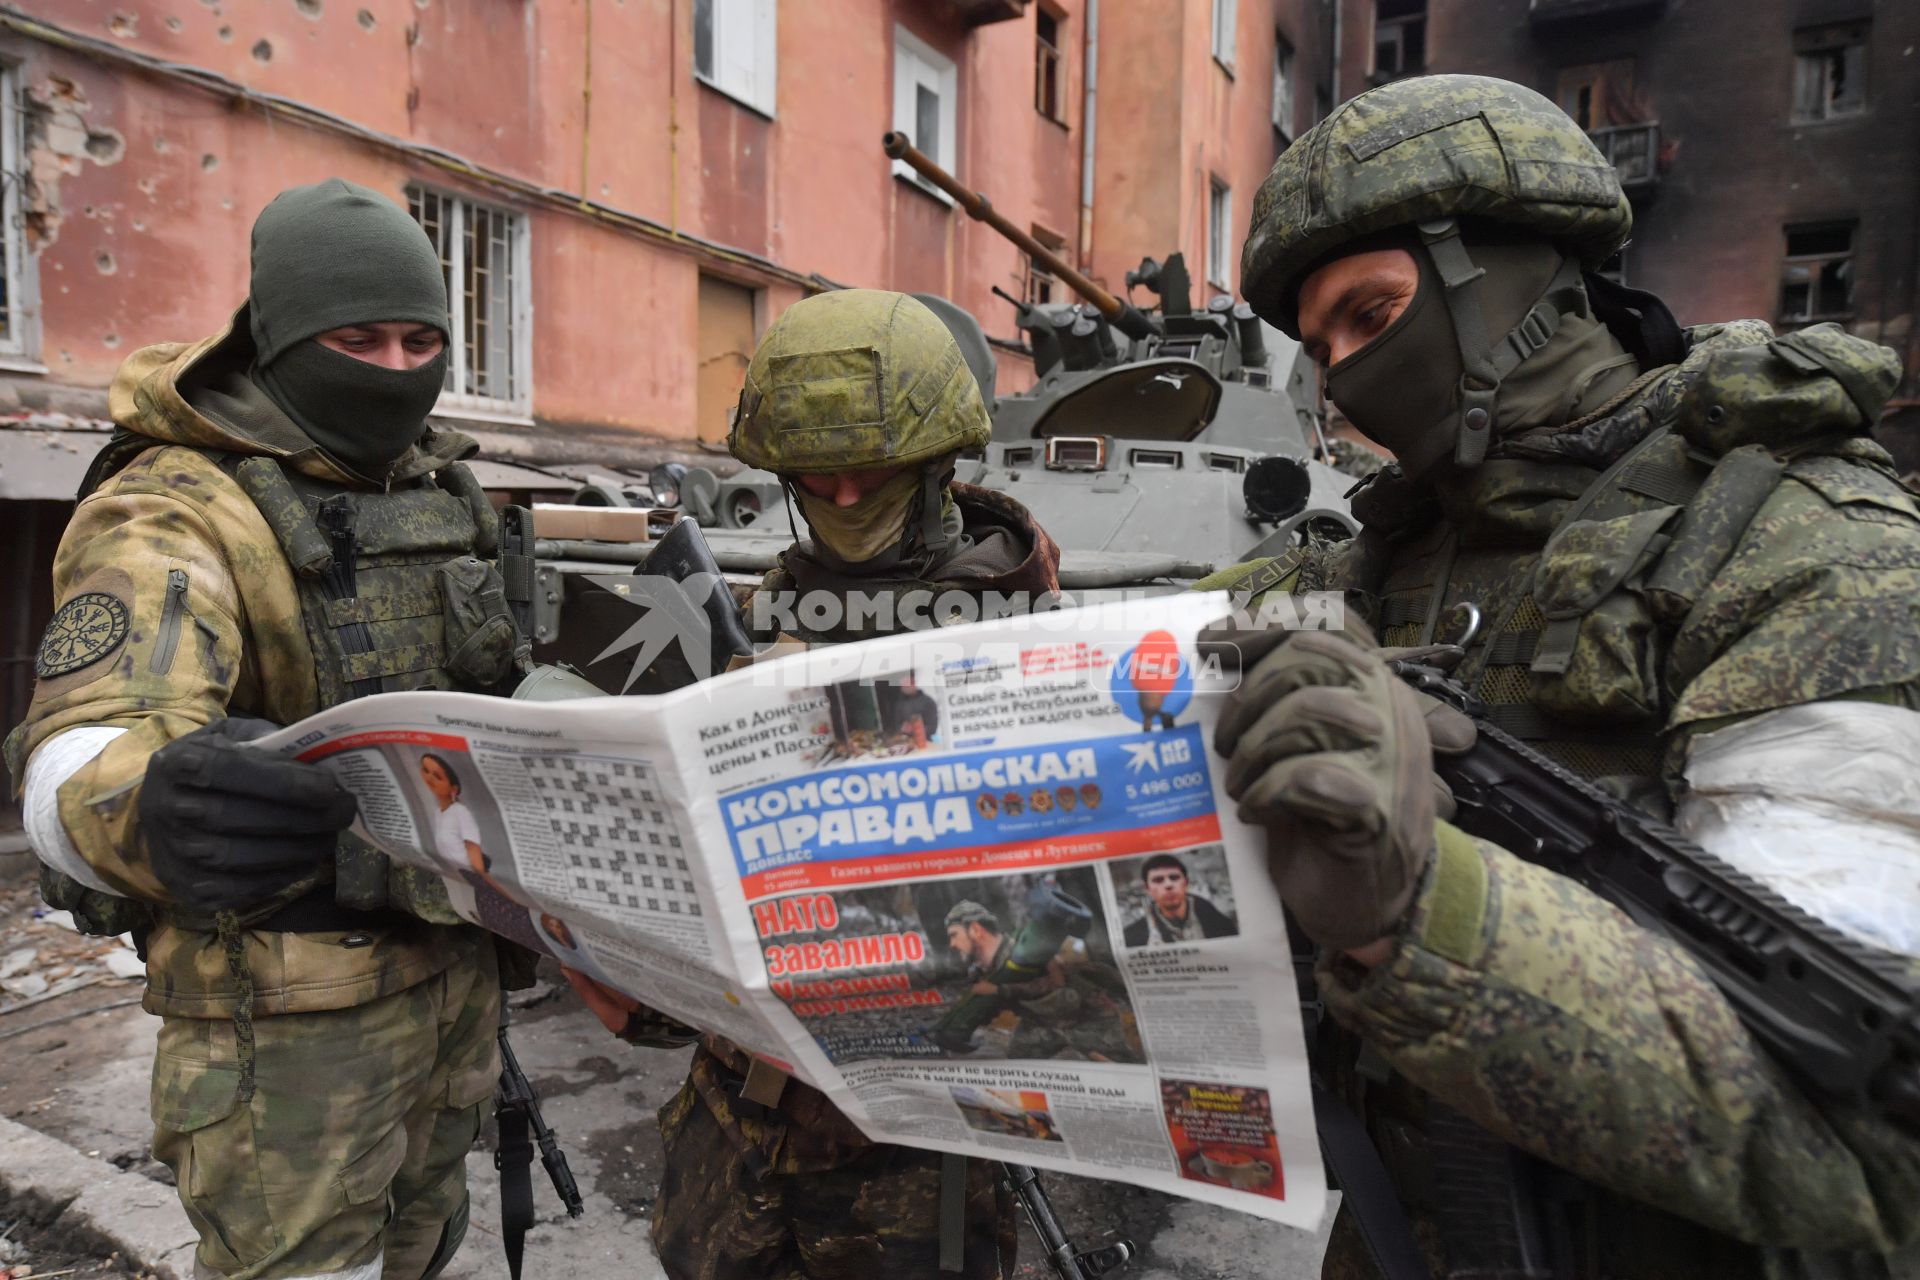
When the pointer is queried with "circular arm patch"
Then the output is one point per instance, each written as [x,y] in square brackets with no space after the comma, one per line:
[86,629]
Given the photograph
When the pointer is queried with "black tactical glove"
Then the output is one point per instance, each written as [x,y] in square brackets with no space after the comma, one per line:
[228,827]
[1333,755]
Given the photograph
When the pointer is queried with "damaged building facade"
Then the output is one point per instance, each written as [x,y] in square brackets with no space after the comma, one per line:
[624,192]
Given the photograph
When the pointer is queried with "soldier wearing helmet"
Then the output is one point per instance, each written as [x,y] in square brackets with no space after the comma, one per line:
[1671,559]
[861,402]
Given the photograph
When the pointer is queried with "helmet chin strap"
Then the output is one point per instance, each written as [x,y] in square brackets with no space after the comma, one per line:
[1484,362]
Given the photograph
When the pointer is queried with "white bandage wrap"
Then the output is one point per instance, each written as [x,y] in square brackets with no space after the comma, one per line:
[365,1271]
[1822,803]
[59,758]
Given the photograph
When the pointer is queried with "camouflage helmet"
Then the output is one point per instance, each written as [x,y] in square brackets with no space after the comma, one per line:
[853,379]
[967,911]
[1424,149]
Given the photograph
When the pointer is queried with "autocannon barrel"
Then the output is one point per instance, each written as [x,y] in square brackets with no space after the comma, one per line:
[1120,314]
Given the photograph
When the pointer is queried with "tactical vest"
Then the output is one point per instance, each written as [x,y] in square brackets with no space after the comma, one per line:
[1569,639]
[396,594]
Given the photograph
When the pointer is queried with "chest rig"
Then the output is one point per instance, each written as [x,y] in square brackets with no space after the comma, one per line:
[1567,584]
[396,594]
[1567,590]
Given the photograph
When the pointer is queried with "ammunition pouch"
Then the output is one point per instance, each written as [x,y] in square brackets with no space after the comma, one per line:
[365,879]
[1796,390]
[95,913]
[395,596]
[1600,655]
[482,642]
[517,964]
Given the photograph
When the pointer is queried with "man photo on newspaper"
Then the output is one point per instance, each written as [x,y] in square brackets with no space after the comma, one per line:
[1063,1001]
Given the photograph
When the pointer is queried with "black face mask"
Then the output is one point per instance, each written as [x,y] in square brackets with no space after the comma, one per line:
[1401,388]
[363,415]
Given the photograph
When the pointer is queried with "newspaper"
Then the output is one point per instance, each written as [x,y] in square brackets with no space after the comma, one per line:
[981,885]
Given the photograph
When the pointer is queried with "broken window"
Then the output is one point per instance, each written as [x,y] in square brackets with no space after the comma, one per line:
[1220,236]
[1829,72]
[19,305]
[483,256]
[1816,279]
[734,46]
[1048,90]
[1399,38]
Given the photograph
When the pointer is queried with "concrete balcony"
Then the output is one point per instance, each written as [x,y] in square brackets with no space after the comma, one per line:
[1547,13]
[1634,152]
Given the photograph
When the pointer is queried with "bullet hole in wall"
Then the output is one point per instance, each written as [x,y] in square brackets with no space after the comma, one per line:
[106,264]
[308,9]
[263,50]
[365,18]
[124,25]
[209,162]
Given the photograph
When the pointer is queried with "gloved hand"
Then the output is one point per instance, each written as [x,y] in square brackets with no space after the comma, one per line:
[226,826]
[1333,754]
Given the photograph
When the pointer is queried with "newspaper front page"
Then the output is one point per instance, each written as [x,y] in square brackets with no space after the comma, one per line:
[981,885]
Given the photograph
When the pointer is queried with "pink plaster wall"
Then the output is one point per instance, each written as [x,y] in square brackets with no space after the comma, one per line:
[150,244]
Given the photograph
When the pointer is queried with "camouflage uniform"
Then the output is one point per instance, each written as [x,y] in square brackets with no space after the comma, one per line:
[847,380]
[1756,553]
[1067,1012]
[315,1091]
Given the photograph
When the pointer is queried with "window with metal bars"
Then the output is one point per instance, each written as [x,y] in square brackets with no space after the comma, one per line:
[483,255]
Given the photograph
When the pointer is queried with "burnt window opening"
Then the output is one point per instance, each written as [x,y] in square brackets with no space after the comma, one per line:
[1829,72]
[1399,38]
[1816,277]
[1049,89]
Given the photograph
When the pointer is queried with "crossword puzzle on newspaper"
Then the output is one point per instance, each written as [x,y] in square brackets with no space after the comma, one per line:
[619,840]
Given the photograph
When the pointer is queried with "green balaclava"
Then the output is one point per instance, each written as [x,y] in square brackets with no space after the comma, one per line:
[330,255]
[880,533]
[1402,389]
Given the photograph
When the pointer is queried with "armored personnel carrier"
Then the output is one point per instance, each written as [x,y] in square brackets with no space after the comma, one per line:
[1155,446]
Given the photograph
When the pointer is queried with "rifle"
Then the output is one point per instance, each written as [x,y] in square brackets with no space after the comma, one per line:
[1024,1182]
[1842,1016]
[517,1109]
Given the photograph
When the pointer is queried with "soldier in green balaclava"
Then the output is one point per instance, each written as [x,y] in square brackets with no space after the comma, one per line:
[273,529]
[1674,562]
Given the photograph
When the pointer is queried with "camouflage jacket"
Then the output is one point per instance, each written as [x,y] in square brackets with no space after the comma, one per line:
[213,626]
[1520,999]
